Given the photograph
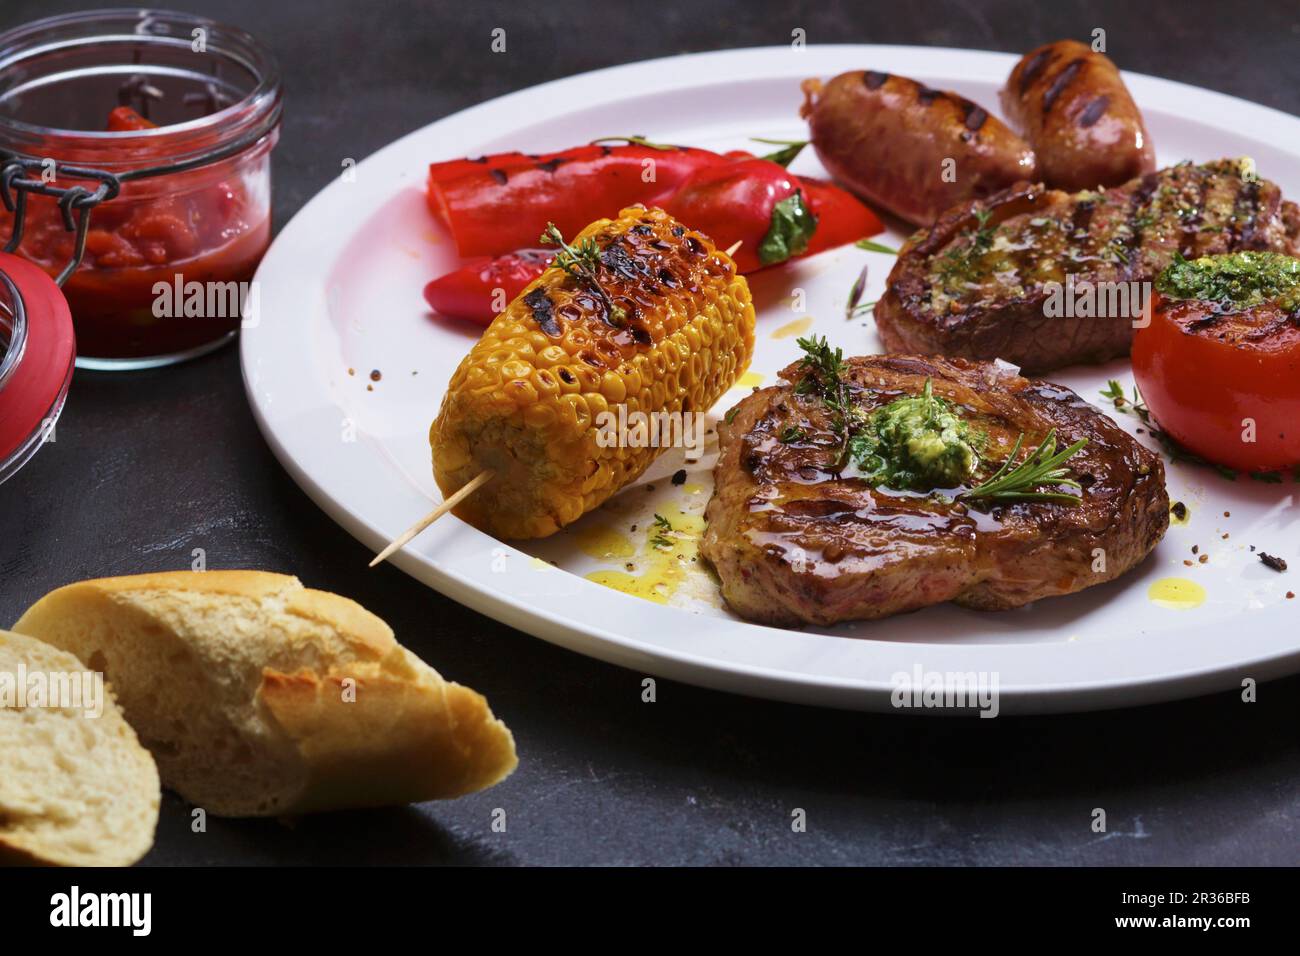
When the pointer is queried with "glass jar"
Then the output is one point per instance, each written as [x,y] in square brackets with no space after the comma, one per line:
[155,128]
[36,354]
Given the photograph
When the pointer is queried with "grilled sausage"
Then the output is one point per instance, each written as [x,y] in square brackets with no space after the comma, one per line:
[913,150]
[1072,105]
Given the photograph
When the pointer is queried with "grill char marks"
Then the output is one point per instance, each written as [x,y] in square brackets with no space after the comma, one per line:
[1063,79]
[925,95]
[1246,215]
[637,269]
[794,545]
[1094,111]
[975,116]
[539,303]
[1033,68]
[995,307]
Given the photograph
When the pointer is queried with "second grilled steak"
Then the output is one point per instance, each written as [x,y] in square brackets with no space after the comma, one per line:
[977,284]
[795,542]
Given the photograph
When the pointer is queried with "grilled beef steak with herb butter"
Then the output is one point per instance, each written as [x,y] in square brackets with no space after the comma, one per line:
[797,537]
[975,284]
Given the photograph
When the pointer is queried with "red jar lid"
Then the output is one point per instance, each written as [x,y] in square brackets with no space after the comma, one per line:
[37,364]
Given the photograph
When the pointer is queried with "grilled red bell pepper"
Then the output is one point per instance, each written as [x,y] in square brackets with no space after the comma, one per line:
[841,217]
[752,201]
[484,286]
[500,203]
[497,202]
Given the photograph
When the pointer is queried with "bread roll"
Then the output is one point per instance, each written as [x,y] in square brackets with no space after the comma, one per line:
[259,697]
[76,787]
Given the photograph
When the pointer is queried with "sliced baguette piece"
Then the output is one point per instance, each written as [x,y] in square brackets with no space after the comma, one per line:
[76,787]
[260,697]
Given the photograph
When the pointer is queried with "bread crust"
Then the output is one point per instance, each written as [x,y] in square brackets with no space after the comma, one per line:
[307,683]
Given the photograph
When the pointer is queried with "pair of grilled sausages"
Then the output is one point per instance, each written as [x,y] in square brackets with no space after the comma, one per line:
[917,151]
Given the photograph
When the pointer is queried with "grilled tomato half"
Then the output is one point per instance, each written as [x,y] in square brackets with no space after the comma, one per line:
[1219,363]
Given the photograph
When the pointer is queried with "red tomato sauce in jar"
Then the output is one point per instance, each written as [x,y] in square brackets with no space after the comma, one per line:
[203,231]
[184,202]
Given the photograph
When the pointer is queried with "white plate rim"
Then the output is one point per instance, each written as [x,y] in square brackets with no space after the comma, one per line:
[453,557]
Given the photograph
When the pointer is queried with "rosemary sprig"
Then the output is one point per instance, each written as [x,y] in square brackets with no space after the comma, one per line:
[583,263]
[823,369]
[1042,467]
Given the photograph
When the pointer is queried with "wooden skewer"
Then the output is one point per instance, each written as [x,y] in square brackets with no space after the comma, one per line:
[467,489]
[473,485]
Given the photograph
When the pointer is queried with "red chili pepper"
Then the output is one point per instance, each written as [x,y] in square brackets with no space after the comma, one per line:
[484,286]
[841,218]
[503,202]
[738,202]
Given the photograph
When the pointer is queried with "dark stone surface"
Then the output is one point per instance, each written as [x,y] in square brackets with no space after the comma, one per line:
[150,465]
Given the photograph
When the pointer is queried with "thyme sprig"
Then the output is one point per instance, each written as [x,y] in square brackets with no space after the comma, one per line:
[582,261]
[1041,468]
[664,533]
[824,375]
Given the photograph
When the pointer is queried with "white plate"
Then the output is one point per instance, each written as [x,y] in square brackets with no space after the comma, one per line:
[341,289]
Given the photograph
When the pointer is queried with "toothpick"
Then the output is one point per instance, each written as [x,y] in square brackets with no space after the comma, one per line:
[461,494]
[732,250]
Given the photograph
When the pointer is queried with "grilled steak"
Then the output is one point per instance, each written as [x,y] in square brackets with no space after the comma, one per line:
[795,543]
[982,289]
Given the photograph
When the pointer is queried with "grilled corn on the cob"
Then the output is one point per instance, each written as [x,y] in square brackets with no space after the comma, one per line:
[526,400]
